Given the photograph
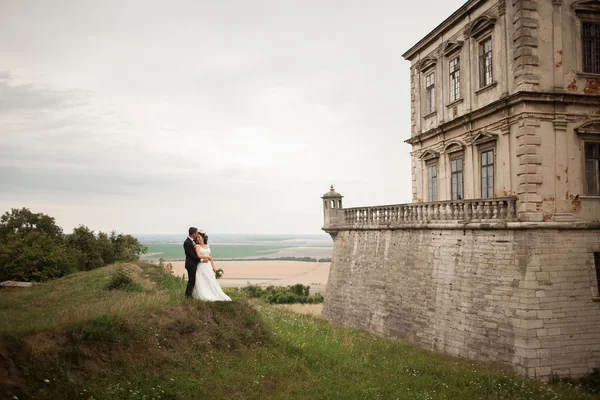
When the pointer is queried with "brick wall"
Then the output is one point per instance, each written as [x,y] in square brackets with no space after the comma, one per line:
[518,297]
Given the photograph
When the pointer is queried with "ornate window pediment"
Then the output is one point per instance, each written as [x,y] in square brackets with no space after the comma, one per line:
[450,48]
[483,137]
[429,155]
[480,26]
[453,146]
[427,63]
[586,7]
[589,127]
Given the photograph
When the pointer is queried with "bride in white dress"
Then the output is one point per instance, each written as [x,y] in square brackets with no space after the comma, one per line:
[206,288]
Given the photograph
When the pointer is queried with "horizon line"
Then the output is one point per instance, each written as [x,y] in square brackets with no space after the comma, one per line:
[281,234]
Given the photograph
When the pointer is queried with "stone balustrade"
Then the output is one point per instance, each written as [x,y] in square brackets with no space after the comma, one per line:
[501,209]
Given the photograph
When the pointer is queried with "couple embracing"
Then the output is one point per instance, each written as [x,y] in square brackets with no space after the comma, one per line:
[202,283]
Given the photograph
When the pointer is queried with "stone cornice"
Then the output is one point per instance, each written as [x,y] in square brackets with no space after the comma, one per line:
[514,99]
[457,16]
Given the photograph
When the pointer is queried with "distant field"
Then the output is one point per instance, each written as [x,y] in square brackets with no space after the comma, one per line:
[172,250]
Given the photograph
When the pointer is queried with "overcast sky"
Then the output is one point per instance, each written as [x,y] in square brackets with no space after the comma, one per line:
[231,115]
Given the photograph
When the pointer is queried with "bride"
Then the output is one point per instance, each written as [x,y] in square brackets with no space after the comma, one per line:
[206,288]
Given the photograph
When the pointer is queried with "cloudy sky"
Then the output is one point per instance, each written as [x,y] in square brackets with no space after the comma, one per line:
[232,115]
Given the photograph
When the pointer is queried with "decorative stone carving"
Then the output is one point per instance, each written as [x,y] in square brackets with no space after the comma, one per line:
[589,127]
[453,146]
[427,63]
[586,6]
[502,7]
[450,48]
[429,155]
[480,26]
[483,137]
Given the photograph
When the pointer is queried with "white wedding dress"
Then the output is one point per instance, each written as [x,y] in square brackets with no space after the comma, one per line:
[207,288]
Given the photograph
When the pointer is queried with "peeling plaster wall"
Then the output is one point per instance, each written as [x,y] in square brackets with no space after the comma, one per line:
[539,155]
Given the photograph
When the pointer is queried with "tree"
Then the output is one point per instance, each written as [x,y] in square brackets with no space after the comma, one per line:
[106,249]
[84,240]
[21,221]
[35,256]
[34,248]
[126,247]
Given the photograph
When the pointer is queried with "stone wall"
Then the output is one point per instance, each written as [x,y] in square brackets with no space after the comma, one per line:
[526,298]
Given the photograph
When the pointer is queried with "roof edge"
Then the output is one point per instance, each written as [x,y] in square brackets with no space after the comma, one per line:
[448,22]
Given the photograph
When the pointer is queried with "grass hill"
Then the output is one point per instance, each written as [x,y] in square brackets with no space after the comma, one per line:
[73,339]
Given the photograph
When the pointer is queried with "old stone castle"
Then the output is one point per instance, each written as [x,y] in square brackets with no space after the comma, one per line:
[498,257]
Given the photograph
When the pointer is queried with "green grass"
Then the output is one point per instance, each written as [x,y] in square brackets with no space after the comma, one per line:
[175,250]
[72,339]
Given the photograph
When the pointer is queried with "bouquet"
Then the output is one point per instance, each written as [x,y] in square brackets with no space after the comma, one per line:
[219,273]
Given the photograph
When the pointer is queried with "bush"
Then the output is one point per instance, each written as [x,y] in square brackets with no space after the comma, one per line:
[590,383]
[168,267]
[297,294]
[121,279]
[301,290]
[106,328]
[253,291]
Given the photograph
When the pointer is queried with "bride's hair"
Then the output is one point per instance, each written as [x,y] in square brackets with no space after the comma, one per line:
[204,237]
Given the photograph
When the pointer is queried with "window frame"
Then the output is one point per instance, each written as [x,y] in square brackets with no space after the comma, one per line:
[455,93]
[460,194]
[595,50]
[482,150]
[595,274]
[481,54]
[430,95]
[585,168]
[432,195]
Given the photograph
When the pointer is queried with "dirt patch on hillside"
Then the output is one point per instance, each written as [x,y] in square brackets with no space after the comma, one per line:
[61,364]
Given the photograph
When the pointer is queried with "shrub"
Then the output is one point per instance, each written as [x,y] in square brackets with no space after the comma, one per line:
[590,383]
[296,294]
[168,267]
[253,291]
[121,279]
[106,328]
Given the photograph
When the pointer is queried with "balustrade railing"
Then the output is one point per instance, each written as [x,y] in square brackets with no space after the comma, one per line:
[476,210]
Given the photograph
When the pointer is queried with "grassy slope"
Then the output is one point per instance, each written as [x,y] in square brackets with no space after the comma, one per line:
[72,339]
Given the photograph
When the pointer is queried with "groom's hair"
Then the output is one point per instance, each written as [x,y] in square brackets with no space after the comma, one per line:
[192,230]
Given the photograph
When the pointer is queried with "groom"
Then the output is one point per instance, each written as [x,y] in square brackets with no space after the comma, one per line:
[191,260]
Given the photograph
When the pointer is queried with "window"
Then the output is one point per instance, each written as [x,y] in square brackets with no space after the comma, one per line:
[430,93]
[597,265]
[485,62]
[592,170]
[590,40]
[432,182]
[454,79]
[487,173]
[457,178]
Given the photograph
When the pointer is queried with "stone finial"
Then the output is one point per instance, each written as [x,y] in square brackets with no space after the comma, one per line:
[332,194]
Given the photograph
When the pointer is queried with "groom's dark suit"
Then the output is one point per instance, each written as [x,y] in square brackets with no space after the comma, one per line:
[191,262]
